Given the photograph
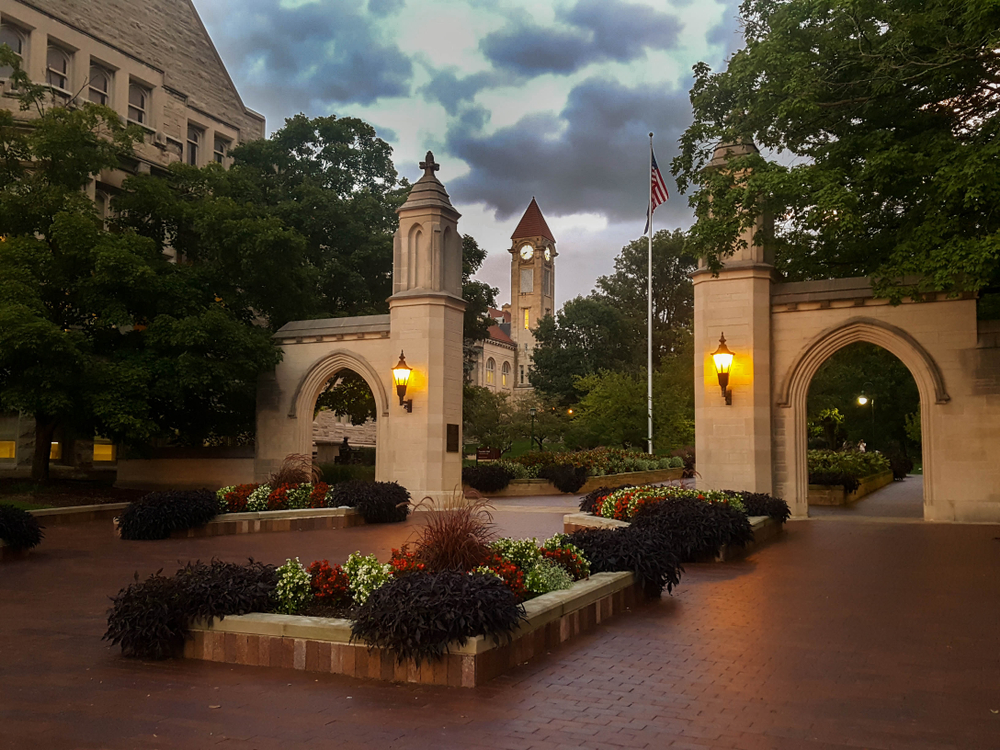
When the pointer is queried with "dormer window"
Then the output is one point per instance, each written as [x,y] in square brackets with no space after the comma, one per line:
[138,103]
[99,85]
[57,68]
[17,40]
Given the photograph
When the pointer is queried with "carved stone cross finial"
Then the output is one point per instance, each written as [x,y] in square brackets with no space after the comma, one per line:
[429,165]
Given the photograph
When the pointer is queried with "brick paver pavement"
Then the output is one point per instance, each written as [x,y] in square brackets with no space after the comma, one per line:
[839,635]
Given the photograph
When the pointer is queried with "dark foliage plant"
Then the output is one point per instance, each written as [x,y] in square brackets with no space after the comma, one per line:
[901,465]
[150,619]
[159,514]
[831,479]
[19,530]
[762,504]
[377,502]
[487,478]
[565,477]
[687,455]
[417,616]
[457,539]
[642,550]
[694,529]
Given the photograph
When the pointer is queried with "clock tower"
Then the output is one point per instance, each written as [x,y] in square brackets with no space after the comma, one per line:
[532,285]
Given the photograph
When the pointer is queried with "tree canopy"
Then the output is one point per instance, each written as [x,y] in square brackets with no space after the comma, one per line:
[882,116]
[98,330]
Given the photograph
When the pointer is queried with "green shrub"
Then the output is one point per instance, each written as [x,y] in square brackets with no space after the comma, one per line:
[19,530]
[159,514]
[515,469]
[417,616]
[851,463]
[294,587]
[365,574]
[337,473]
[547,575]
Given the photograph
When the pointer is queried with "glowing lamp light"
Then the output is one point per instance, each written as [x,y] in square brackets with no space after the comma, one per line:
[862,400]
[723,359]
[400,377]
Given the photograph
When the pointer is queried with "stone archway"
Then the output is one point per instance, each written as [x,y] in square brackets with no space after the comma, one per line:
[793,390]
[314,380]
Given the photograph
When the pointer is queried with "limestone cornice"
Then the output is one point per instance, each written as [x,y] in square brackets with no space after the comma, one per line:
[739,269]
[423,297]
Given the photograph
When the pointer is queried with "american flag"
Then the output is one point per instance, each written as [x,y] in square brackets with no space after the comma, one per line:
[658,189]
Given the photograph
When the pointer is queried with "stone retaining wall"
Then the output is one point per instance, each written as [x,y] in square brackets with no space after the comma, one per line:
[318,644]
[536,487]
[78,513]
[823,494]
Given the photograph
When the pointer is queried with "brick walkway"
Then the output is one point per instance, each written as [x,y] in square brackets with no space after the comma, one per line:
[904,499]
[840,635]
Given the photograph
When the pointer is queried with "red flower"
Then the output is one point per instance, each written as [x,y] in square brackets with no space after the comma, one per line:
[329,584]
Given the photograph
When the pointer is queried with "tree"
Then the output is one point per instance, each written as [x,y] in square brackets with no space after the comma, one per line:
[98,331]
[888,113]
[479,298]
[489,418]
[349,394]
[299,227]
[586,336]
[673,292]
[550,422]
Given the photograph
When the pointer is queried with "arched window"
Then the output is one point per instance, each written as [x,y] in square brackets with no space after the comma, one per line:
[138,103]
[491,367]
[14,38]
[99,85]
[505,374]
[57,68]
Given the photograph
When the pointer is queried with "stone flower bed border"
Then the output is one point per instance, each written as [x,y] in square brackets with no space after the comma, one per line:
[306,519]
[764,529]
[822,494]
[541,487]
[317,644]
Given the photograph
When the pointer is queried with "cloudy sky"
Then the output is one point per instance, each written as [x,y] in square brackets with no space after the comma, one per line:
[517,98]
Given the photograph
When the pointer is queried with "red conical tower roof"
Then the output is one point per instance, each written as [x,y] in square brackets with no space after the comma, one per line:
[532,224]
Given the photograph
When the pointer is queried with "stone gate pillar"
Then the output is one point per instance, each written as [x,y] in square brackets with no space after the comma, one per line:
[426,319]
[733,442]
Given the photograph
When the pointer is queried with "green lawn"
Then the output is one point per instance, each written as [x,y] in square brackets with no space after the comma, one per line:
[24,504]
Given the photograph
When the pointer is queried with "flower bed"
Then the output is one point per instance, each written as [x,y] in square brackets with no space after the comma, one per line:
[844,468]
[701,525]
[250,508]
[458,585]
[543,487]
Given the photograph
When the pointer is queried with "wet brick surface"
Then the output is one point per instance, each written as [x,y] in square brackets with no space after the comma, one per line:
[838,635]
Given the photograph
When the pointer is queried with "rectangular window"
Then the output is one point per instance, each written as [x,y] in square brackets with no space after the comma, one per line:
[527,280]
[138,103]
[57,68]
[104,452]
[193,143]
[221,149]
[527,317]
[547,285]
[55,452]
[7,448]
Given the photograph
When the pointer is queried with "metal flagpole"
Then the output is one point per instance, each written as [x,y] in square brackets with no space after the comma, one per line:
[649,300]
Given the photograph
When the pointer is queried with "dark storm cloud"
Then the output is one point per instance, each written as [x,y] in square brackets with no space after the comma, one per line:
[592,158]
[385,7]
[450,91]
[728,32]
[329,52]
[600,30]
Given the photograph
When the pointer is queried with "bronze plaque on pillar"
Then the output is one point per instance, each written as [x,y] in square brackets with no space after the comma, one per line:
[452,438]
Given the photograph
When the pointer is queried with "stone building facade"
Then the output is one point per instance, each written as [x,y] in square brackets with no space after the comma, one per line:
[153,62]
[504,360]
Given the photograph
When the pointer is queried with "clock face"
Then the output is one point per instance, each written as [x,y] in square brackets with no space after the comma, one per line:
[526,252]
[548,254]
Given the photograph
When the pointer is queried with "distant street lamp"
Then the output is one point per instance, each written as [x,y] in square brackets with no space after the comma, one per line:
[532,411]
[863,400]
